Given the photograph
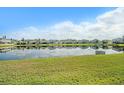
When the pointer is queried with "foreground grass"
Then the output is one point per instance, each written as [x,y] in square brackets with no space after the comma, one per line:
[100,69]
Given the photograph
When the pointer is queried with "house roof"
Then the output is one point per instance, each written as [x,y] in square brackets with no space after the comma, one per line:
[5,40]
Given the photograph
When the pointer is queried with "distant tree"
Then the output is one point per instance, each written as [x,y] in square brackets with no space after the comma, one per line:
[22,39]
[123,39]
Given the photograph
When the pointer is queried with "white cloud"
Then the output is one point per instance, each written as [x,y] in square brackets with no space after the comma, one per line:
[106,26]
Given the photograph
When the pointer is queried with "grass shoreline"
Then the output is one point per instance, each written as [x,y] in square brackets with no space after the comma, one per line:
[95,69]
[42,45]
[6,45]
[59,45]
[118,45]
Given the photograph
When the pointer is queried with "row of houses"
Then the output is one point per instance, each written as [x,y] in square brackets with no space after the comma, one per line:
[44,41]
[66,41]
[118,40]
[5,41]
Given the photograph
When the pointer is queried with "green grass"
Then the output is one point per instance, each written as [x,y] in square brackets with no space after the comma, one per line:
[6,45]
[119,45]
[57,45]
[41,45]
[99,69]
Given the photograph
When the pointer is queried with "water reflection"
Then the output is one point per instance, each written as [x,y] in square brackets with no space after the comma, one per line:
[119,49]
[95,47]
[4,50]
[54,51]
[83,47]
[99,52]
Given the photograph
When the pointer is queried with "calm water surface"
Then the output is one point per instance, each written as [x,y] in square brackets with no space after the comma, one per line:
[44,52]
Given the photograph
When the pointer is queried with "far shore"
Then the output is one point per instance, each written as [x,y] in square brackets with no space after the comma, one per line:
[28,45]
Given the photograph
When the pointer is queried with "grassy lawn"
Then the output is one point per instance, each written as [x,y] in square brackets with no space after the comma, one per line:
[57,45]
[6,45]
[41,45]
[71,44]
[100,69]
[120,45]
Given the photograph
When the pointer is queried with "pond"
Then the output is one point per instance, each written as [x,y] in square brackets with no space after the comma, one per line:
[45,52]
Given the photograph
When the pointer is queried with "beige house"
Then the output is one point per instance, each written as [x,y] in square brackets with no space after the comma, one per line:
[5,41]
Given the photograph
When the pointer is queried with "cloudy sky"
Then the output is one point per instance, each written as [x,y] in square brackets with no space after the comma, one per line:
[62,23]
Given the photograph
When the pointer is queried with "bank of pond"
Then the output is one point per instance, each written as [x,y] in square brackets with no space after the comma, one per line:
[63,65]
[73,70]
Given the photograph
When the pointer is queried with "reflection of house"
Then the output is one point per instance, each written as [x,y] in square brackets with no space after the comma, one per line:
[4,50]
[119,49]
[100,52]
[5,41]
[83,47]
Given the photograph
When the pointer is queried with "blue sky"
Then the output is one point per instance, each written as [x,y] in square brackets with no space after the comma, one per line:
[14,18]
[50,20]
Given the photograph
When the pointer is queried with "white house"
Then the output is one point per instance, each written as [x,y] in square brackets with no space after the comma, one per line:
[5,41]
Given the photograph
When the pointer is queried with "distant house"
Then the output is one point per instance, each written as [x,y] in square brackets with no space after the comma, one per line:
[32,42]
[118,40]
[94,41]
[123,39]
[53,41]
[106,42]
[83,41]
[43,41]
[68,41]
[5,41]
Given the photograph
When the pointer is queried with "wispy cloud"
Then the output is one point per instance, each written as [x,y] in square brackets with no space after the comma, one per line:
[106,26]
